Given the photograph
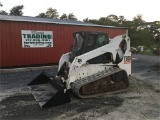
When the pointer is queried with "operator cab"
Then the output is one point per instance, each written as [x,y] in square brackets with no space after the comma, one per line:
[85,41]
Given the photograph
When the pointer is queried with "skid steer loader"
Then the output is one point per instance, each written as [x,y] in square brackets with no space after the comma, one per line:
[96,65]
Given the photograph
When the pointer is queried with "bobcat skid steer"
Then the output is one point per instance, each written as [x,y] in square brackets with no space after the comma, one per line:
[95,66]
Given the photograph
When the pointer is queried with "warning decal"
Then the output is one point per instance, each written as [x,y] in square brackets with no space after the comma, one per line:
[127,59]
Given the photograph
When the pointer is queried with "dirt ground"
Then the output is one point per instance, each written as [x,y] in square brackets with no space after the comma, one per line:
[140,101]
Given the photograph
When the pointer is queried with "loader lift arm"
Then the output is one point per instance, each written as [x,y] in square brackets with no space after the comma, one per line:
[95,65]
[113,48]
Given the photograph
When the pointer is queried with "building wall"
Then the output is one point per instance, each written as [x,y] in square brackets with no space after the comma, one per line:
[12,53]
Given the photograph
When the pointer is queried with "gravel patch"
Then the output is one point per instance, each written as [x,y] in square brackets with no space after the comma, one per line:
[140,101]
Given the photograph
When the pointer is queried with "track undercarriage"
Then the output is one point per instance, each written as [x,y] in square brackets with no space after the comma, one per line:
[108,81]
[96,65]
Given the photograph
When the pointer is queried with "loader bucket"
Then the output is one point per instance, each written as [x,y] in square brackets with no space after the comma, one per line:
[48,92]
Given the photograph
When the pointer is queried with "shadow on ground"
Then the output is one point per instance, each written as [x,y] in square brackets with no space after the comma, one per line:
[25,107]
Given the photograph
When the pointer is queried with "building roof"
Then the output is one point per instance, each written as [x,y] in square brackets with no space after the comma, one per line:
[49,20]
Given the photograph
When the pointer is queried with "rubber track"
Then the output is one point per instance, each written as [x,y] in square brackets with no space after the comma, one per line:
[75,86]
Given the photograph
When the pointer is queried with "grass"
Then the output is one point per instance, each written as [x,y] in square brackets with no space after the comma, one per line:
[148,52]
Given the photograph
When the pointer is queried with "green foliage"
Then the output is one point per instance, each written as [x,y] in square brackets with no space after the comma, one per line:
[141,37]
[42,15]
[86,20]
[52,13]
[111,20]
[140,32]
[147,52]
[2,12]
[17,10]
[121,20]
[150,50]
[71,16]
[1,4]
[64,17]
[137,21]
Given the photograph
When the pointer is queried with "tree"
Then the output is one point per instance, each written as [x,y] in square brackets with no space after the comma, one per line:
[138,21]
[17,10]
[64,17]
[141,37]
[52,13]
[121,19]
[71,16]
[140,32]
[1,4]
[42,15]
[112,18]
[157,39]
[86,20]
[2,12]
[155,28]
